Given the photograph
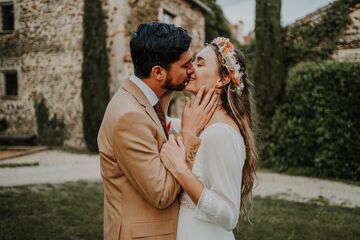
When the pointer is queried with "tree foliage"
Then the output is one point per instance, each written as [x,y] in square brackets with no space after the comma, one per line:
[95,71]
[269,71]
[318,126]
[216,25]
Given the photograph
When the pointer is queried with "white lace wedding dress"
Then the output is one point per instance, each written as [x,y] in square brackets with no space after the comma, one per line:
[218,165]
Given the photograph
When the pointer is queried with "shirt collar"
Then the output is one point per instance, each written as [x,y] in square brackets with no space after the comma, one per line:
[148,92]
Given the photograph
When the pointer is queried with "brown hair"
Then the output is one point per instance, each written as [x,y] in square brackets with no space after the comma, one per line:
[241,109]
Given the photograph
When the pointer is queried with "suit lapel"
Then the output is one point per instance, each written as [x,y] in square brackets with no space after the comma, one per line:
[136,92]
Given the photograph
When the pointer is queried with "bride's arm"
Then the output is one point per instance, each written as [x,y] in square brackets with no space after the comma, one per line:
[193,120]
[219,201]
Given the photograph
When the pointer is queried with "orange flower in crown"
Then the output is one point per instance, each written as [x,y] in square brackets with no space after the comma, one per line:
[229,61]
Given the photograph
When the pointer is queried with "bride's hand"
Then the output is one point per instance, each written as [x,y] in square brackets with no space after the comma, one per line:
[173,155]
[196,115]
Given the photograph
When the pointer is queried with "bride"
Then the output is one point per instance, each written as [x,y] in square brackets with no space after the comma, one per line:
[219,182]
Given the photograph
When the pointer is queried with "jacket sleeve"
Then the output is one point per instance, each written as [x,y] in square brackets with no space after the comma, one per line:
[137,153]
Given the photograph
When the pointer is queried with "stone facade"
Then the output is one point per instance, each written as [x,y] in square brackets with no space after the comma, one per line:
[45,50]
[348,45]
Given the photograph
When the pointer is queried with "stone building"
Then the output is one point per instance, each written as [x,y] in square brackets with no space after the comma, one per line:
[41,55]
[348,45]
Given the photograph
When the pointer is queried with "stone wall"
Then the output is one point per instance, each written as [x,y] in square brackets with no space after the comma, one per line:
[188,16]
[46,50]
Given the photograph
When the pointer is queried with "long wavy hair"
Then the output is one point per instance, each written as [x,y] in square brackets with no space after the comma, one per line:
[241,109]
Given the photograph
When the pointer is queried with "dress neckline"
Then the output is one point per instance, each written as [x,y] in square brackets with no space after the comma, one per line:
[226,125]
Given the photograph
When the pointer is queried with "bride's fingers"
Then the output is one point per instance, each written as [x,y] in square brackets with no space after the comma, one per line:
[207,98]
[172,138]
[180,143]
[187,103]
[211,103]
[199,96]
[213,108]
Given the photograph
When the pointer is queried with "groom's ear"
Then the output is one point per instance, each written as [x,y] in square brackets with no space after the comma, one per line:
[158,73]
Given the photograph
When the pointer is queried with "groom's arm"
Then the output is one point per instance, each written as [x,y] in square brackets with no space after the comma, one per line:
[137,154]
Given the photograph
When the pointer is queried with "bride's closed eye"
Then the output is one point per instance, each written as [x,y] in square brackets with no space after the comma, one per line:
[200,63]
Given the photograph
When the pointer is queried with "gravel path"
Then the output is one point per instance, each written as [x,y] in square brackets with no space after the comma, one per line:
[59,167]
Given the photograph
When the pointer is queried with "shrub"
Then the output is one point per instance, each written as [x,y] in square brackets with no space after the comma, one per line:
[51,131]
[317,127]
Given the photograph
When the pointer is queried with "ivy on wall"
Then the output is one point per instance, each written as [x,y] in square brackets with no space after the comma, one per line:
[318,41]
[95,71]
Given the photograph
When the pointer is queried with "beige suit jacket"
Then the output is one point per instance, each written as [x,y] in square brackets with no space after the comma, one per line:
[140,195]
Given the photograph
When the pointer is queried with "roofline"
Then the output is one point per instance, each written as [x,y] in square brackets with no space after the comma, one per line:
[201,5]
[320,10]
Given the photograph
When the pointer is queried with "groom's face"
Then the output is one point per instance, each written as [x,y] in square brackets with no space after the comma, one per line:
[179,73]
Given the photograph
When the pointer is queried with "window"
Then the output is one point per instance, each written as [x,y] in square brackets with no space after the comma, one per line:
[168,17]
[11,83]
[7,20]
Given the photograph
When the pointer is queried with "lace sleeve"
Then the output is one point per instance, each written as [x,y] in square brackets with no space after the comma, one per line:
[223,155]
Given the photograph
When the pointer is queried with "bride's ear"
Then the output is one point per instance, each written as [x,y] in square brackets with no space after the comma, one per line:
[222,82]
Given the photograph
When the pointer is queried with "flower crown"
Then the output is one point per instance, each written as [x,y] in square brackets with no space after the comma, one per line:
[229,61]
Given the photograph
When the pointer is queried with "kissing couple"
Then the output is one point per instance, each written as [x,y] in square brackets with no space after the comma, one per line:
[188,178]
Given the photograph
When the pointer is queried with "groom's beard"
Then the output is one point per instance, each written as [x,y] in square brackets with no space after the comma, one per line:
[168,85]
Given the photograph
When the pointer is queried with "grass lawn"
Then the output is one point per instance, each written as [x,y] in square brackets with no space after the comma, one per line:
[74,211]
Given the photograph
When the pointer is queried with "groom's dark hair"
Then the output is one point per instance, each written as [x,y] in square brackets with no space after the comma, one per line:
[157,44]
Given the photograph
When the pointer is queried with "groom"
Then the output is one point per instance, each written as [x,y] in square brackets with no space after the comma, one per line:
[140,195]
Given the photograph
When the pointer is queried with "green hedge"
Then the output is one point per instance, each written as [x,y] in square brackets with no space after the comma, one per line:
[318,126]
[51,131]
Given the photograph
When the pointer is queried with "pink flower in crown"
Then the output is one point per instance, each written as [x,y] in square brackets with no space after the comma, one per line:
[228,55]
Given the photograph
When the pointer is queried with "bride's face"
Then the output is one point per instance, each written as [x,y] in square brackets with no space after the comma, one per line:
[206,70]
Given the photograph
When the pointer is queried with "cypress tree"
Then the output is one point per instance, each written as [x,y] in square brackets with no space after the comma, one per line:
[269,71]
[95,71]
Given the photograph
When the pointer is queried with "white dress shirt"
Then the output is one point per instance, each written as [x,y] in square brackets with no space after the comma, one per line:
[148,92]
